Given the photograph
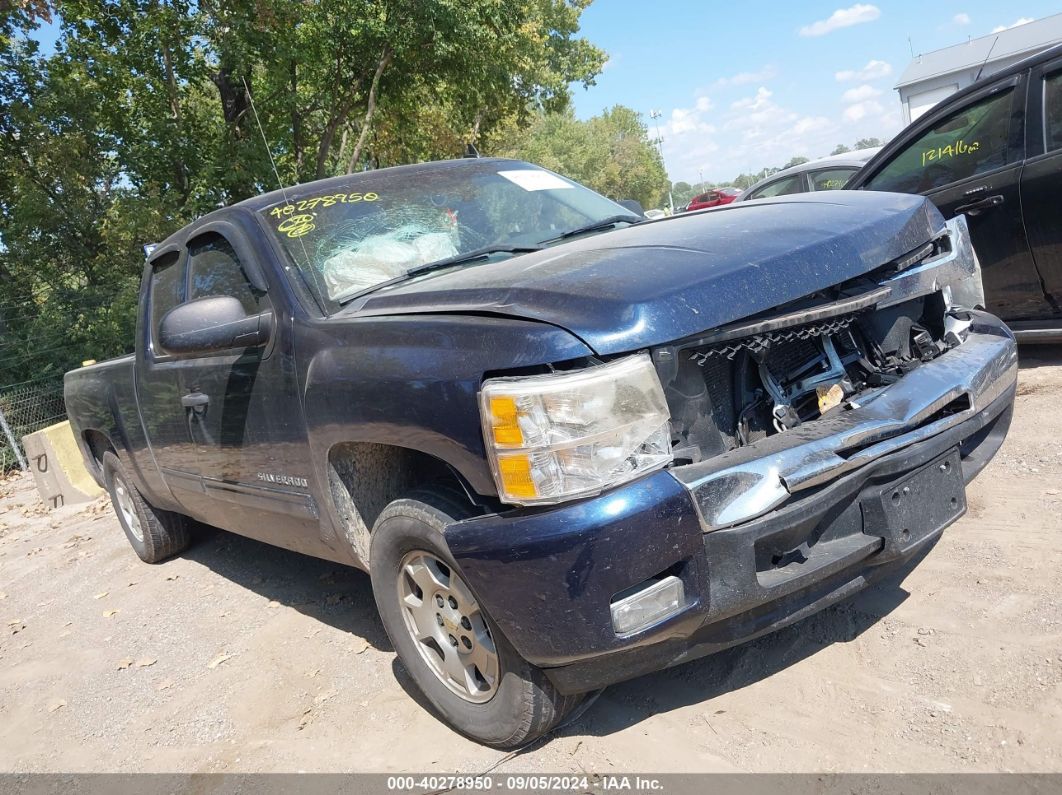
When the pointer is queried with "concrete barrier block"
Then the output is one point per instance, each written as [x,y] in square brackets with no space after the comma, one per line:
[57,466]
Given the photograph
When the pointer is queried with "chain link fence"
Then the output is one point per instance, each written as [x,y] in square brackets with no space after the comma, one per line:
[26,409]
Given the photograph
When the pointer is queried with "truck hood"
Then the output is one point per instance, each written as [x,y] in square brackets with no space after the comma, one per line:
[664,280]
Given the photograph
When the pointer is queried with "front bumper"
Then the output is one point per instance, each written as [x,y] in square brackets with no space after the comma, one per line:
[821,531]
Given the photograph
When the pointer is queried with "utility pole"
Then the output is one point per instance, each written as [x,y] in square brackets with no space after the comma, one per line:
[700,173]
[655,116]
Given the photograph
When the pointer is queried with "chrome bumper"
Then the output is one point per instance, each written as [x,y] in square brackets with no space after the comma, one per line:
[750,481]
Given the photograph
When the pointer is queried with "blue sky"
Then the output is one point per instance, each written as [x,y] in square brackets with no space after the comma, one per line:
[743,85]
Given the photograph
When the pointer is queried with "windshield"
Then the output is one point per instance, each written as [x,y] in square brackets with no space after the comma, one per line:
[378,226]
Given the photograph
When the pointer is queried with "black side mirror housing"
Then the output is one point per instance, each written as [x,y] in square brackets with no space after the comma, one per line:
[633,205]
[209,325]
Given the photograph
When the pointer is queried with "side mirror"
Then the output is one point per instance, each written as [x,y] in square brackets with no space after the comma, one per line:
[213,324]
[633,205]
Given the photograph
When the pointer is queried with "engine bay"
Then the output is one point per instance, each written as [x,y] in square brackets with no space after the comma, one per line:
[733,392]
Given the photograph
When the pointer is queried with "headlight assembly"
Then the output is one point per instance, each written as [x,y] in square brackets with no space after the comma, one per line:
[554,437]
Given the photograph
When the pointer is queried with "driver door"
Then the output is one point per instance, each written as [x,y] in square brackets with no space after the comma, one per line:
[244,412]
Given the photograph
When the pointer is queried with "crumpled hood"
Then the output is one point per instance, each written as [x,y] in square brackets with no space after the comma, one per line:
[664,280]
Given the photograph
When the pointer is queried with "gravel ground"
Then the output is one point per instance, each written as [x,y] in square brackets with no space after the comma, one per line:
[241,657]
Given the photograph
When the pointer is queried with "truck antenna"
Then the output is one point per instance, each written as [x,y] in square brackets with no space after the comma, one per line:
[986,59]
[265,142]
[272,162]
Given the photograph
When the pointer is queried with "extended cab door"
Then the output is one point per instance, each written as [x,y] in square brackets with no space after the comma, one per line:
[159,384]
[244,407]
[966,156]
[1041,180]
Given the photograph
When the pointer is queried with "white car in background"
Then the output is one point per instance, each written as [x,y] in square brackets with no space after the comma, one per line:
[827,173]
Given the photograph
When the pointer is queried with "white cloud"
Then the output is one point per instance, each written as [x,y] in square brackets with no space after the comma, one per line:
[744,78]
[860,94]
[842,18]
[862,110]
[757,103]
[687,120]
[810,124]
[1021,21]
[764,128]
[874,70]
[961,18]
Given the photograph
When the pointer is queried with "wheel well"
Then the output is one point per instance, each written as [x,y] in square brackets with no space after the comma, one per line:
[364,477]
[97,444]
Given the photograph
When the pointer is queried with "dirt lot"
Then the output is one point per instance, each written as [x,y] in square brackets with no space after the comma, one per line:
[241,657]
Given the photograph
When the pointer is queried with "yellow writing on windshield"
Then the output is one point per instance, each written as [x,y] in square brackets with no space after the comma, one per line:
[954,149]
[297,225]
[322,201]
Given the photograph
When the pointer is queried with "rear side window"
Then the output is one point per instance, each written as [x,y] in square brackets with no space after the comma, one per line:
[831,178]
[216,270]
[782,187]
[167,289]
[970,141]
[1053,112]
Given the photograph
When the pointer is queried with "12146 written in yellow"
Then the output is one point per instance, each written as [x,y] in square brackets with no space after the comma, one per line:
[322,201]
[959,147]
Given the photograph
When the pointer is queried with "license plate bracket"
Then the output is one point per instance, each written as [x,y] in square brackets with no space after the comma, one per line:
[917,506]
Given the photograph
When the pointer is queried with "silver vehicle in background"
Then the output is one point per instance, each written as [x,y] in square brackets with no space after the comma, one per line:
[827,173]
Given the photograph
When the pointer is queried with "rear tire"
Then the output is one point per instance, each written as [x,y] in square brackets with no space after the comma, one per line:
[153,533]
[507,710]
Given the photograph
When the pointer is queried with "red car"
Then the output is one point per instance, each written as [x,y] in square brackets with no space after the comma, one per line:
[712,198]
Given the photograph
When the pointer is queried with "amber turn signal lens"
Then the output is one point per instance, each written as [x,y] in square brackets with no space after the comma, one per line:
[515,471]
[504,422]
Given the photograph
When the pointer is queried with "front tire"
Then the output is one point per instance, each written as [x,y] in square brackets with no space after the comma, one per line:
[153,533]
[444,637]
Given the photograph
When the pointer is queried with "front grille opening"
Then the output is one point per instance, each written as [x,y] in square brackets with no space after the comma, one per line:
[726,391]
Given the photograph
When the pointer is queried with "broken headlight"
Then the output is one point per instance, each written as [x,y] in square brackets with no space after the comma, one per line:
[554,437]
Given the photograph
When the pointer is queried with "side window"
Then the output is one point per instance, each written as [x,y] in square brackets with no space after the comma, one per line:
[216,270]
[831,178]
[1053,112]
[166,290]
[781,187]
[970,141]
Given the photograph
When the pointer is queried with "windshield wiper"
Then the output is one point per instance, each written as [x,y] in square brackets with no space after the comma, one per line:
[459,259]
[596,226]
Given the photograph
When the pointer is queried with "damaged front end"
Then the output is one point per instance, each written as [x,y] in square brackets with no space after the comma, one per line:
[776,405]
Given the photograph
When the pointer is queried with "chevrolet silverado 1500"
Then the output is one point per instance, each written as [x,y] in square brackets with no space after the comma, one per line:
[569,445]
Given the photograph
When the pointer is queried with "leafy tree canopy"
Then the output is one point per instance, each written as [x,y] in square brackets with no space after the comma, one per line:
[610,152]
[142,120]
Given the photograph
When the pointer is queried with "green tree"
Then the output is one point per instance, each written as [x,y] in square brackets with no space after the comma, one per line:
[610,152]
[867,143]
[143,119]
[796,161]
[840,149]
[682,192]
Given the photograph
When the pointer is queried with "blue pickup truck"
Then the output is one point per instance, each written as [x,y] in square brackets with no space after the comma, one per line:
[569,445]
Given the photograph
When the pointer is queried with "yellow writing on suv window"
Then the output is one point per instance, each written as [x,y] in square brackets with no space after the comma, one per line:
[959,147]
[322,201]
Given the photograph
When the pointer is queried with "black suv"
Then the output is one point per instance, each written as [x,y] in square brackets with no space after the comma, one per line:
[993,152]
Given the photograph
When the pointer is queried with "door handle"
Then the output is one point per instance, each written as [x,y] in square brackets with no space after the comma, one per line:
[973,208]
[194,400]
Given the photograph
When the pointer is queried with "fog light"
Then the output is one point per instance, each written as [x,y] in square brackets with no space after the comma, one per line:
[647,605]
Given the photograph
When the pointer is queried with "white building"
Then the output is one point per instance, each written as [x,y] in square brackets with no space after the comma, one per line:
[931,77]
